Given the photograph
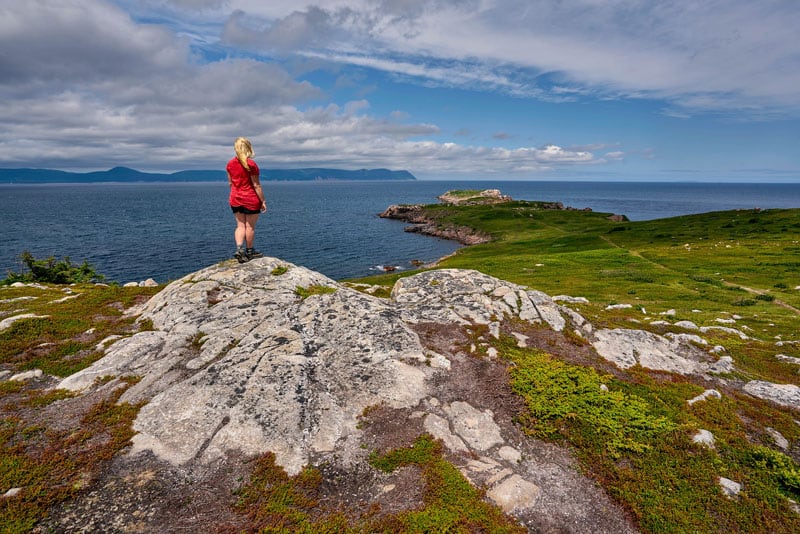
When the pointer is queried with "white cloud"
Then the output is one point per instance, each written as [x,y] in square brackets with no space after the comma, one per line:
[98,89]
[88,84]
[705,56]
[46,42]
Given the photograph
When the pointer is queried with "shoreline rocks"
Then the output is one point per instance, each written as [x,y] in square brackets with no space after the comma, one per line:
[414,214]
[144,283]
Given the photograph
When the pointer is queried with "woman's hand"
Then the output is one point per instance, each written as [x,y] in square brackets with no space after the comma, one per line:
[263,206]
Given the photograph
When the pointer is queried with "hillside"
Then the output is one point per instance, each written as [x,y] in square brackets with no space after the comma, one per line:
[593,375]
[124,174]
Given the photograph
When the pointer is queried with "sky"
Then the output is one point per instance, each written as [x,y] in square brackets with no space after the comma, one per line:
[605,90]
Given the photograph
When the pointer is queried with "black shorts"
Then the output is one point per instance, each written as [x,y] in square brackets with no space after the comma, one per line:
[242,209]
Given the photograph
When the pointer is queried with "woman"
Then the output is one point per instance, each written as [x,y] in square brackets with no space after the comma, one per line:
[246,199]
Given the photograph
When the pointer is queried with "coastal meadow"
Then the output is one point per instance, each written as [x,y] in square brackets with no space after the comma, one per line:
[739,270]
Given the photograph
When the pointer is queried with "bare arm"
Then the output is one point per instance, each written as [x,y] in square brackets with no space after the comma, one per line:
[259,191]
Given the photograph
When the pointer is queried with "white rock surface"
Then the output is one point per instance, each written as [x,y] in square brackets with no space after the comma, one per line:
[704,437]
[780,439]
[439,428]
[239,361]
[626,348]
[13,492]
[729,487]
[783,394]
[8,321]
[514,493]
[573,300]
[476,428]
[26,375]
[464,296]
[707,394]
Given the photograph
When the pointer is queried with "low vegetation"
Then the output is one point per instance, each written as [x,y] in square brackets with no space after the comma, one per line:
[635,436]
[274,502]
[279,270]
[315,289]
[631,430]
[52,445]
[52,271]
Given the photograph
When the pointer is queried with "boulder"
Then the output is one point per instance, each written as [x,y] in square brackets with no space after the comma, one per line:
[239,361]
[783,394]
[627,347]
[8,321]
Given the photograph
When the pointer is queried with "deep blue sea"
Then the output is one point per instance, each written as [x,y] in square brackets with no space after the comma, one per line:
[134,231]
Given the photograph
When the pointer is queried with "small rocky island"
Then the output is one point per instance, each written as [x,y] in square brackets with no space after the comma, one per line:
[423,223]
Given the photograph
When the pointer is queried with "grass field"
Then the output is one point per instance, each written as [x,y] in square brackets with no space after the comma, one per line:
[737,268]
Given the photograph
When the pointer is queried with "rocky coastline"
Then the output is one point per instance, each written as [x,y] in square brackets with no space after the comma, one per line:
[422,224]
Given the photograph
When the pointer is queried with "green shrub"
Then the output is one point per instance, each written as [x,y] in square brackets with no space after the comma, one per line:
[451,503]
[778,466]
[568,400]
[53,271]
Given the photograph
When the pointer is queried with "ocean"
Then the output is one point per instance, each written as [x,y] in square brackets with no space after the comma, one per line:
[135,231]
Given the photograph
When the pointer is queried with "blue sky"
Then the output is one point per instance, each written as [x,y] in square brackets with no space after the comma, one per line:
[459,89]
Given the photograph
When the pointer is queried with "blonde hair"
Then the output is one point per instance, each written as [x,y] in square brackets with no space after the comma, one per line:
[243,150]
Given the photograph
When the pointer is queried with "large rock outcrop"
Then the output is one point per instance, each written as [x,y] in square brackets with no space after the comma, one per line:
[269,356]
[238,360]
[239,363]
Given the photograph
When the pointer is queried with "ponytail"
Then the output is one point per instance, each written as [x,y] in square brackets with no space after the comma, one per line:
[243,150]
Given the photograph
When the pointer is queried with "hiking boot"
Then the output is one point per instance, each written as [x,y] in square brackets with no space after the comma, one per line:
[253,253]
[241,255]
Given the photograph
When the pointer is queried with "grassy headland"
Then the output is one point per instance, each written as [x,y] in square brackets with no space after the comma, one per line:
[635,440]
[739,269]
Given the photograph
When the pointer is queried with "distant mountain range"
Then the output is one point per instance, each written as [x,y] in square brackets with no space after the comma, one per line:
[124,174]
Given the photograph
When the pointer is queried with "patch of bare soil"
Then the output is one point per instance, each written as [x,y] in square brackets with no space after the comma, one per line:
[144,494]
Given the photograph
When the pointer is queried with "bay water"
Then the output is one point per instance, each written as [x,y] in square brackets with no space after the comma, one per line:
[134,231]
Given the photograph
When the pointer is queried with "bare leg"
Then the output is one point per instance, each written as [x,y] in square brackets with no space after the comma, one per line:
[250,228]
[241,229]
